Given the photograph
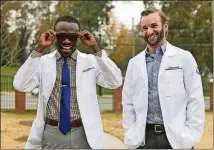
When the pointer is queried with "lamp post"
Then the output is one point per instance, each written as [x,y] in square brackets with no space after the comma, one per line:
[213,43]
[133,38]
[99,87]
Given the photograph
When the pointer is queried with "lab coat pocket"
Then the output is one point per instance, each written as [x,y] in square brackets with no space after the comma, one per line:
[181,133]
[35,137]
[173,82]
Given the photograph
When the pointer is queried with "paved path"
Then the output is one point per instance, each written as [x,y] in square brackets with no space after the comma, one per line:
[112,142]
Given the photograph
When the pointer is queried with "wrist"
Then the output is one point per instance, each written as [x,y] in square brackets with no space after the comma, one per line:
[95,48]
[40,49]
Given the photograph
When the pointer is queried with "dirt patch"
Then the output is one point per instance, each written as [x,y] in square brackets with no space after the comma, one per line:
[27,123]
[15,128]
[21,139]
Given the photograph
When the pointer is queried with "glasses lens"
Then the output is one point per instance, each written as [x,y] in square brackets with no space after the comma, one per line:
[60,37]
[70,36]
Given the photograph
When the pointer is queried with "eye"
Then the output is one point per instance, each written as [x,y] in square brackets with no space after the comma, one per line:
[153,26]
[144,28]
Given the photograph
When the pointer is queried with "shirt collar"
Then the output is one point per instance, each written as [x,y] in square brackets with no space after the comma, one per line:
[163,49]
[74,55]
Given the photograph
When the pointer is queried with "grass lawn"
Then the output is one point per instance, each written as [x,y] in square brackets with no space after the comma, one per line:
[15,128]
[8,71]
[6,83]
[7,74]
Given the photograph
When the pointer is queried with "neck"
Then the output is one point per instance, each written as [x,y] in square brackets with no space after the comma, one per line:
[152,49]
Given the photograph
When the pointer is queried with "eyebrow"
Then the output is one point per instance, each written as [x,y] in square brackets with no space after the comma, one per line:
[154,24]
[150,25]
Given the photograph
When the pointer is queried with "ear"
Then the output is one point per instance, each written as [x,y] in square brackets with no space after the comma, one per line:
[165,26]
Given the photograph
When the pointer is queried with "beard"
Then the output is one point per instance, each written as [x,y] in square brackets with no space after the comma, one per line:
[156,40]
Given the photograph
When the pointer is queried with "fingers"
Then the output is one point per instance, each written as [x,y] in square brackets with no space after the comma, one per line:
[85,35]
[48,35]
[47,38]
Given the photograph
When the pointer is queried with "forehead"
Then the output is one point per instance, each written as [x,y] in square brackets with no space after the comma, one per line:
[150,19]
[66,27]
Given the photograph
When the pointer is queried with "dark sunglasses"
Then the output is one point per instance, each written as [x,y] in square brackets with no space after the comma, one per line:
[70,36]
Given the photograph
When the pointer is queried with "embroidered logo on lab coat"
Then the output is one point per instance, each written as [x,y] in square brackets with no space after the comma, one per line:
[173,68]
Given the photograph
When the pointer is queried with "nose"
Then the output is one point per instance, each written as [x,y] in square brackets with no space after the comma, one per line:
[66,41]
[149,31]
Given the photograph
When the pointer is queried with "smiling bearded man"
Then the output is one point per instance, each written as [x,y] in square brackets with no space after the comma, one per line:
[163,102]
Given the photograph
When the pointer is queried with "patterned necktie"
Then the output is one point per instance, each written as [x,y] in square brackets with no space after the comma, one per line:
[65,123]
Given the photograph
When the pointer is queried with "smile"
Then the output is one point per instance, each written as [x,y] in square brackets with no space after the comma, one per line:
[152,37]
[66,47]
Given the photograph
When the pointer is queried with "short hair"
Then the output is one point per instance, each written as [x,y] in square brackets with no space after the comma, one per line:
[69,19]
[152,10]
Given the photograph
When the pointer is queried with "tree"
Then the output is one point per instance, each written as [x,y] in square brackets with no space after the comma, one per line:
[19,20]
[20,32]
[122,50]
[190,27]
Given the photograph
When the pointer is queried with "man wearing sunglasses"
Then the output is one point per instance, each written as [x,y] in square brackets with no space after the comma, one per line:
[68,114]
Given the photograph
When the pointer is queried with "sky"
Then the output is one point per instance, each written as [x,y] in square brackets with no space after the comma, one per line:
[126,10]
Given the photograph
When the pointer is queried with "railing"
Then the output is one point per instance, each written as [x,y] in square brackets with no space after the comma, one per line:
[9,101]
[8,94]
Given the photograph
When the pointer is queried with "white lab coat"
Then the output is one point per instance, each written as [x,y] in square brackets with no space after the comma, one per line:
[90,70]
[181,99]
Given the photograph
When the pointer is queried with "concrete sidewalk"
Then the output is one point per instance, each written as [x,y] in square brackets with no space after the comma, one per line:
[112,142]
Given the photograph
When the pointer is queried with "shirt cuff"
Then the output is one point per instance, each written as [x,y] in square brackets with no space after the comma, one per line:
[98,54]
[35,54]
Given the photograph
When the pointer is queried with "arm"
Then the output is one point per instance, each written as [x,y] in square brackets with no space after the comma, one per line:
[108,74]
[28,75]
[195,100]
[129,116]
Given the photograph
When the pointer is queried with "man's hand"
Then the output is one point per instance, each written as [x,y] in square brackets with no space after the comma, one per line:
[89,40]
[47,38]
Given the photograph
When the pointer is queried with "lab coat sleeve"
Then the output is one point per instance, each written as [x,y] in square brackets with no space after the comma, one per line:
[129,116]
[108,75]
[195,100]
[28,75]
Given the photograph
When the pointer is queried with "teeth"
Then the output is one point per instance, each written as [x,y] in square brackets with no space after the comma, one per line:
[65,47]
[153,36]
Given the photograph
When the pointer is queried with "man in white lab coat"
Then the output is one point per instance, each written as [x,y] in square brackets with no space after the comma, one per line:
[68,114]
[162,97]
